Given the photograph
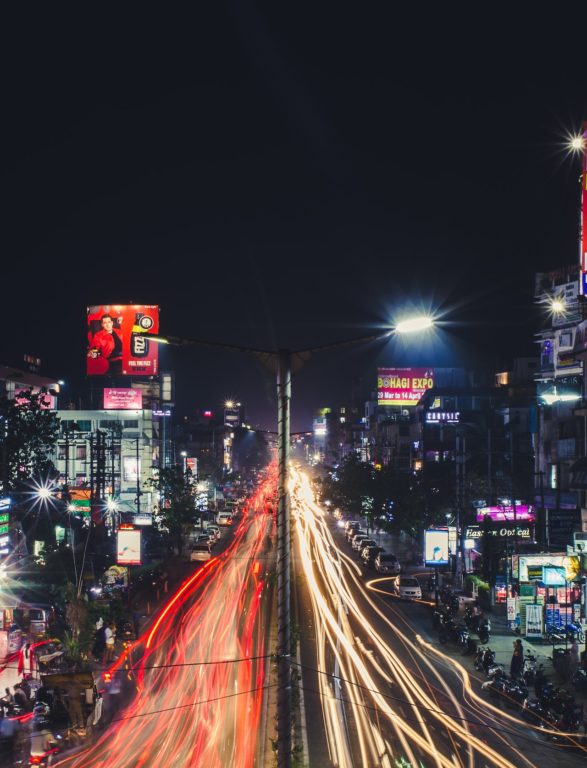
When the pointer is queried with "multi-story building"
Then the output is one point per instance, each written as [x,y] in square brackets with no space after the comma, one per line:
[110,454]
[560,424]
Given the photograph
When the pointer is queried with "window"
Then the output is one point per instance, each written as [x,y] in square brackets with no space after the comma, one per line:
[61,451]
[131,424]
[80,452]
[109,423]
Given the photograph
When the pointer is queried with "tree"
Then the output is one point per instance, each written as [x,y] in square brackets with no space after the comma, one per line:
[176,489]
[28,434]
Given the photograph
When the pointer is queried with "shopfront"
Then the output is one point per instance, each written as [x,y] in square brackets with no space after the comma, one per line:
[547,593]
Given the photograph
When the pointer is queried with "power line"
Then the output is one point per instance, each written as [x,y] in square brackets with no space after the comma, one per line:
[414,705]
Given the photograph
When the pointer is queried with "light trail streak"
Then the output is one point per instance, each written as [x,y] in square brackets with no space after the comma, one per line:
[187,713]
[326,576]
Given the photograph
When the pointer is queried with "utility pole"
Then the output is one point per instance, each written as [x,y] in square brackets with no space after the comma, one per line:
[284,697]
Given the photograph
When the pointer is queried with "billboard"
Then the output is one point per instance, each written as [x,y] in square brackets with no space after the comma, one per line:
[131,469]
[118,342]
[436,547]
[507,513]
[117,399]
[128,547]
[571,564]
[403,386]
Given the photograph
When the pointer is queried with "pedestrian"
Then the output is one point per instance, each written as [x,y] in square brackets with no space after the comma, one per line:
[517,663]
[109,641]
[20,697]
[7,700]
[25,685]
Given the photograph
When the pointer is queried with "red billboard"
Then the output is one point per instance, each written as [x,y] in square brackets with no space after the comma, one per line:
[403,387]
[118,399]
[118,340]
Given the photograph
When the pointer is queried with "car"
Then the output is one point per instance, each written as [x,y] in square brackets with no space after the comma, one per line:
[369,553]
[225,519]
[200,552]
[351,525]
[365,543]
[358,540]
[385,562]
[214,530]
[407,588]
[352,532]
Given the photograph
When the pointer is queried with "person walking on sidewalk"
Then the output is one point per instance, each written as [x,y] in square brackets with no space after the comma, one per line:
[517,663]
[574,658]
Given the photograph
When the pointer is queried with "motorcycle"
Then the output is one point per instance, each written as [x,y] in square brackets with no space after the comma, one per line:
[484,659]
[529,668]
[450,630]
[484,630]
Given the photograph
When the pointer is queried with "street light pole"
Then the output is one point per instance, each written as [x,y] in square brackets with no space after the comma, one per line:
[283,363]
[284,718]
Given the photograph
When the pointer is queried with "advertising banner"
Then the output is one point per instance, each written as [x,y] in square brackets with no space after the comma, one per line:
[128,547]
[117,399]
[533,621]
[403,386]
[118,340]
[131,469]
[506,513]
[570,563]
[436,547]
[554,576]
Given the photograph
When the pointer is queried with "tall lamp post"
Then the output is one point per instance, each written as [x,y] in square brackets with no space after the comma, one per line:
[283,363]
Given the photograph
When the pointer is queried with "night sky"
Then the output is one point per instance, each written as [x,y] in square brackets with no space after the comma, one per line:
[278,176]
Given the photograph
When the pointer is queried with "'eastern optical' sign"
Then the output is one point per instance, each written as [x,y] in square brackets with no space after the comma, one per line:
[499,531]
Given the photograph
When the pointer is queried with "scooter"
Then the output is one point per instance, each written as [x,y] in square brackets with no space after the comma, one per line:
[484,659]
[484,629]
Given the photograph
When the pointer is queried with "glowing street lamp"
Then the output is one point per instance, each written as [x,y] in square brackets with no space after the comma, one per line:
[414,325]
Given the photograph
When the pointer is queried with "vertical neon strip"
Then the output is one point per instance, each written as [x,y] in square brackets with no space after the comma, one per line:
[583,220]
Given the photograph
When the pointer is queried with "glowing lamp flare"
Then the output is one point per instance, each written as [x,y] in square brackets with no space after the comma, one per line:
[414,324]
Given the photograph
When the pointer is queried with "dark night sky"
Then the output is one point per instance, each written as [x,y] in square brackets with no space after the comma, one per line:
[287,177]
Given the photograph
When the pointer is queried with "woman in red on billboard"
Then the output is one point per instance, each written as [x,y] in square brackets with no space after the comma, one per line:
[105,353]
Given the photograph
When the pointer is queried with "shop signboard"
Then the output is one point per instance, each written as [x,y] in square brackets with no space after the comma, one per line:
[503,531]
[511,608]
[554,576]
[122,399]
[570,563]
[128,547]
[509,513]
[535,572]
[436,547]
[534,621]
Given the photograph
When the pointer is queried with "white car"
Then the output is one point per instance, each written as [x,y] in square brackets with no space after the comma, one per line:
[407,588]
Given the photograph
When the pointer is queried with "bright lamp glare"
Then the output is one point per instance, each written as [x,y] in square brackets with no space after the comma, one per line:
[43,493]
[557,306]
[577,143]
[414,324]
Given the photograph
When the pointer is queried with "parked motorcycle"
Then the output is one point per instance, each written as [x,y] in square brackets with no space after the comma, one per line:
[484,659]
[450,630]
[529,669]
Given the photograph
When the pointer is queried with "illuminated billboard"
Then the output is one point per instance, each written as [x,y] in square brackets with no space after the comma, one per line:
[570,564]
[128,547]
[436,547]
[118,340]
[118,399]
[507,513]
[403,386]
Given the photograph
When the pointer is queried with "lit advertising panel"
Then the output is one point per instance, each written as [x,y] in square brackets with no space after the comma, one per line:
[128,547]
[571,564]
[403,386]
[506,514]
[131,469]
[436,547]
[117,399]
[584,214]
[46,402]
[118,340]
